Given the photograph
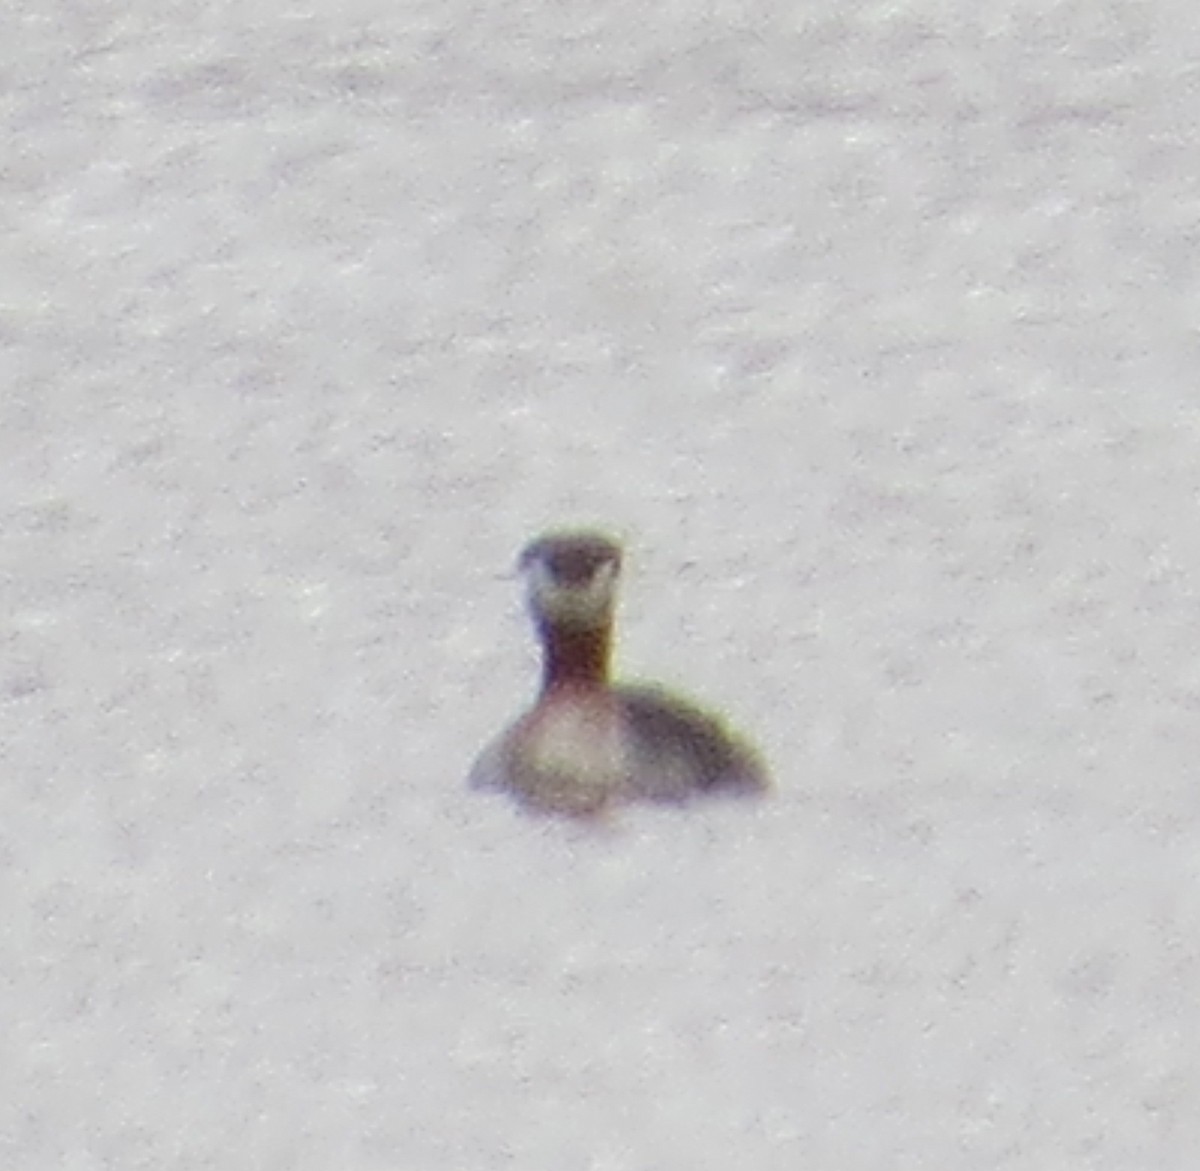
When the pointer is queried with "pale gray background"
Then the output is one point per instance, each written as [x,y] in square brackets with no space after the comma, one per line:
[872,326]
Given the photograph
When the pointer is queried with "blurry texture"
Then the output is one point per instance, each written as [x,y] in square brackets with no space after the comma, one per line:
[882,317]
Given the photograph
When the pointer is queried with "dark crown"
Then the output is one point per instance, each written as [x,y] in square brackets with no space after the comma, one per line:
[572,558]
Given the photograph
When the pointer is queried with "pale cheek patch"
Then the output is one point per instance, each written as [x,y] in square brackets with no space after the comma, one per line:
[574,605]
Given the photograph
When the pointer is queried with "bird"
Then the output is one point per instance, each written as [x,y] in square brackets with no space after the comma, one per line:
[588,745]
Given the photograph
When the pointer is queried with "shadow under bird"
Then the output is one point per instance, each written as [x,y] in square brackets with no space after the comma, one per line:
[588,744]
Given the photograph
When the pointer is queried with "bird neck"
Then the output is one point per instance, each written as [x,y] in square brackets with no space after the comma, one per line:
[575,657]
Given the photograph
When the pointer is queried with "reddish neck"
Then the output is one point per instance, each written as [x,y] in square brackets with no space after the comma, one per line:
[574,658]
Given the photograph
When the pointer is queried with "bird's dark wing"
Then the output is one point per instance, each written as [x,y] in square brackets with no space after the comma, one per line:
[682,751]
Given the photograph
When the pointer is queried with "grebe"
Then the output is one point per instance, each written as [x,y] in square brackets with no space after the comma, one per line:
[587,745]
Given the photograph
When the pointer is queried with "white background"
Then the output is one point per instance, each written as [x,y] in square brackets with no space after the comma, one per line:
[872,327]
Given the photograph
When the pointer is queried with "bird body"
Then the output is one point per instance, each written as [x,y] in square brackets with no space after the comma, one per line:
[587,744]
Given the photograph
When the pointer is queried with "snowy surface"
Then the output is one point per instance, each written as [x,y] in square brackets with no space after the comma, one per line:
[874,327]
